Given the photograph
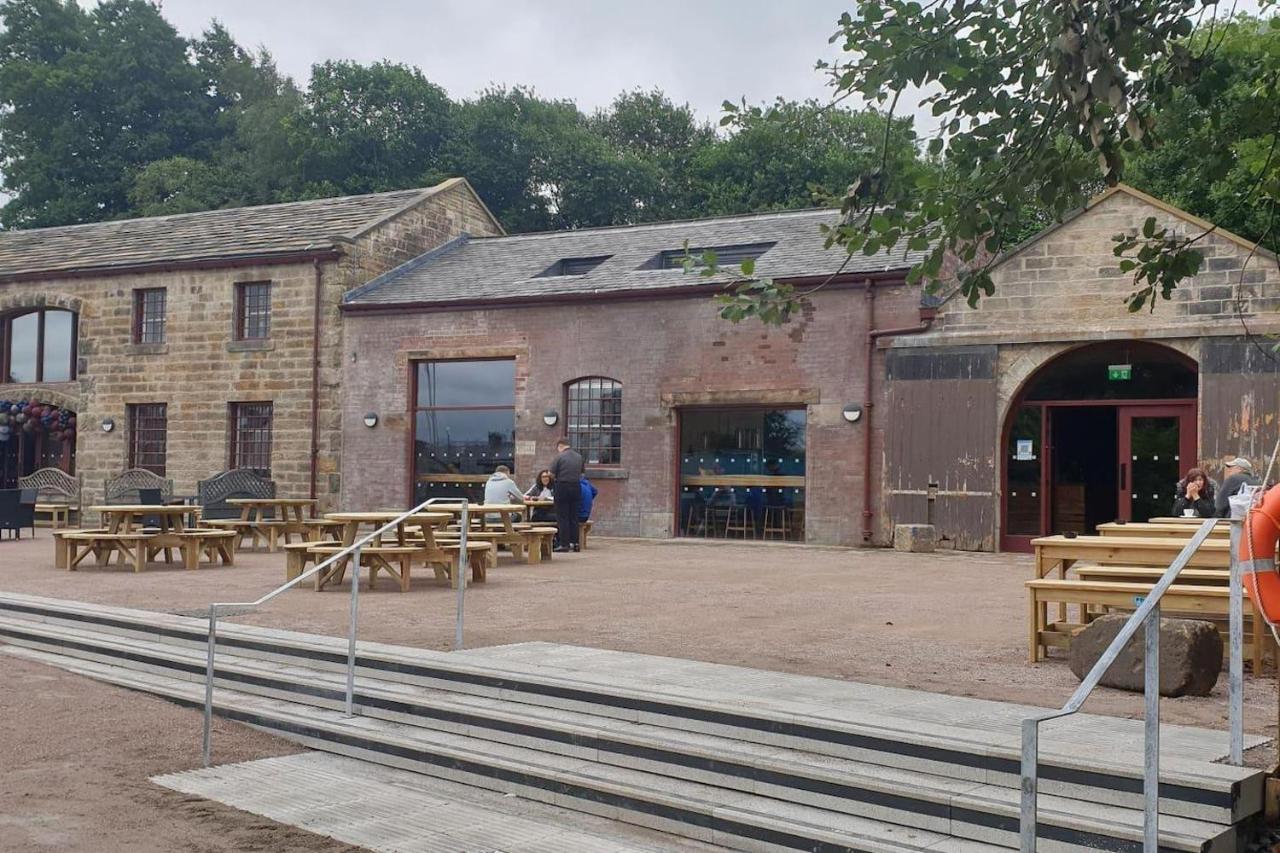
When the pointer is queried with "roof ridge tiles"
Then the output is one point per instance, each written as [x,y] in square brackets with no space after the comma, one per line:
[664,223]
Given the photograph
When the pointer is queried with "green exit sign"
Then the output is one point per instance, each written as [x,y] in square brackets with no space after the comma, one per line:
[1119,372]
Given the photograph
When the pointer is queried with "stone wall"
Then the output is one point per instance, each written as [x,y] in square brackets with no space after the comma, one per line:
[666,353]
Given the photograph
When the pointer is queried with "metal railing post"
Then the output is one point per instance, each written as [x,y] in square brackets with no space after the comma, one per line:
[1030,784]
[351,635]
[1151,739]
[1235,666]
[207,749]
[463,563]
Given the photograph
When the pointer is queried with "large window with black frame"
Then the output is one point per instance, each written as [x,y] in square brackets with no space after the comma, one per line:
[742,473]
[249,443]
[464,424]
[594,428]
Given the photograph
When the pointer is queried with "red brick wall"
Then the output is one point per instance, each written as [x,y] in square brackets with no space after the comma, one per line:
[665,353]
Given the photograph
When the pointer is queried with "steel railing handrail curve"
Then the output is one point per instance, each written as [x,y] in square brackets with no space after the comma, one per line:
[352,550]
[1148,611]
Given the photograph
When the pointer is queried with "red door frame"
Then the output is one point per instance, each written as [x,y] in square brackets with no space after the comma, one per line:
[1185,412]
[1188,439]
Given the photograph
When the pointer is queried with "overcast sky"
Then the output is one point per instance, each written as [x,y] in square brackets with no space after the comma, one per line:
[699,52]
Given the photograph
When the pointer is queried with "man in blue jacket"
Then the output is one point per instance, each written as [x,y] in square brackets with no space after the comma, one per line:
[589,493]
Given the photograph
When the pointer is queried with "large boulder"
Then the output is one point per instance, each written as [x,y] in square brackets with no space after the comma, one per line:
[917,538]
[1190,655]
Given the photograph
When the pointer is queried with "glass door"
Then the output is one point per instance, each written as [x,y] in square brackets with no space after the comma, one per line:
[1157,445]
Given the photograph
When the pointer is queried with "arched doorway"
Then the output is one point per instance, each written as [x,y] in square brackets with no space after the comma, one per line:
[1102,432]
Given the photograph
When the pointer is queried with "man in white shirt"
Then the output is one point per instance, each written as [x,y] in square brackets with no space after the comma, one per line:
[501,489]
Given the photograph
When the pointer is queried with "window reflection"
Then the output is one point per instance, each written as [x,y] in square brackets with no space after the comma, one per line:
[39,346]
[464,426]
[24,337]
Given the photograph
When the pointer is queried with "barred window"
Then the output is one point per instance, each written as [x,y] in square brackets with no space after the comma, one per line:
[148,315]
[594,406]
[148,436]
[253,310]
[250,440]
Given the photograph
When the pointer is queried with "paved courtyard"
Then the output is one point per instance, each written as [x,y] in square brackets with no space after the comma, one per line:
[950,622]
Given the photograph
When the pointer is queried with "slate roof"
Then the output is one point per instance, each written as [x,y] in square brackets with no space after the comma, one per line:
[272,229]
[501,268]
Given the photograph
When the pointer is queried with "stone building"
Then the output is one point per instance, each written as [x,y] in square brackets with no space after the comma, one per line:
[192,343]
[1053,408]
[1050,408]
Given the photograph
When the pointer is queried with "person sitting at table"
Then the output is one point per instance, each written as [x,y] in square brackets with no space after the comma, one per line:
[1194,493]
[501,489]
[542,490]
[589,493]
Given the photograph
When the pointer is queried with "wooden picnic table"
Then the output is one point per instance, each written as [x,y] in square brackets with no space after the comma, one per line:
[1172,531]
[126,533]
[273,519]
[352,522]
[495,521]
[1174,519]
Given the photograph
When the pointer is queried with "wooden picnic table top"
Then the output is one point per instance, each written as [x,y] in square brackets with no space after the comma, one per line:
[457,508]
[272,501]
[148,509]
[539,502]
[1121,542]
[1165,531]
[1175,519]
[432,518]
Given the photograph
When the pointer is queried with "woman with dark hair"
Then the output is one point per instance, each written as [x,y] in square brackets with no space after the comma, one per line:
[1195,495]
[542,490]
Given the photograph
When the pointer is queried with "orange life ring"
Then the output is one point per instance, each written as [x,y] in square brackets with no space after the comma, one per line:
[1257,555]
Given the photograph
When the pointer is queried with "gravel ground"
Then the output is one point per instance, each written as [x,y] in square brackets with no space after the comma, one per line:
[77,756]
[950,622]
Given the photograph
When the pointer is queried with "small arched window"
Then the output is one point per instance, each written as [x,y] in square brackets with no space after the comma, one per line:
[594,408]
[39,346]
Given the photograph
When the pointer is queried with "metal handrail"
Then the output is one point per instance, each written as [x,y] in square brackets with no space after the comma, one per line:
[1148,615]
[352,550]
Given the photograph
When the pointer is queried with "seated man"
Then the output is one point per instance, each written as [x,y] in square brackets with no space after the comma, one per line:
[501,489]
[1237,475]
[589,493]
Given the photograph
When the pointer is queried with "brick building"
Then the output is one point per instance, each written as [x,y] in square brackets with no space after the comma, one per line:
[831,429]
[201,341]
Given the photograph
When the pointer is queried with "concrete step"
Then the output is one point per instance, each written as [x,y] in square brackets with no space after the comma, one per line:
[700,812]
[966,809]
[964,747]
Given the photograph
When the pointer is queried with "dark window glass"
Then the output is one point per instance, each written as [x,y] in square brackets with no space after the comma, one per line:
[467,383]
[24,347]
[594,419]
[253,310]
[148,436]
[148,315]
[742,473]
[251,437]
[464,426]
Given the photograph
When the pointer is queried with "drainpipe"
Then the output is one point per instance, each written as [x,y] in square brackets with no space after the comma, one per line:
[315,377]
[873,334]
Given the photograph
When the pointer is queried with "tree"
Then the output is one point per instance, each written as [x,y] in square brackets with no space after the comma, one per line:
[86,99]
[1035,101]
[368,128]
[792,154]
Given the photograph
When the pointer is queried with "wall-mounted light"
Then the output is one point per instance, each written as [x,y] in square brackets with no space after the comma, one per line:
[371,420]
[852,413]
[108,425]
[550,417]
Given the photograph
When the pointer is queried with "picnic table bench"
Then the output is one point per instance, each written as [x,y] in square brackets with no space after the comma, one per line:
[269,520]
[413,533]
[1194,600]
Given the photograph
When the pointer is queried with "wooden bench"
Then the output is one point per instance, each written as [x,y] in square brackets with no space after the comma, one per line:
[1191,600]
[129,546]
[444,560]
[61,546]
[216,545]
[269,531]
[395,560]
[583,529]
